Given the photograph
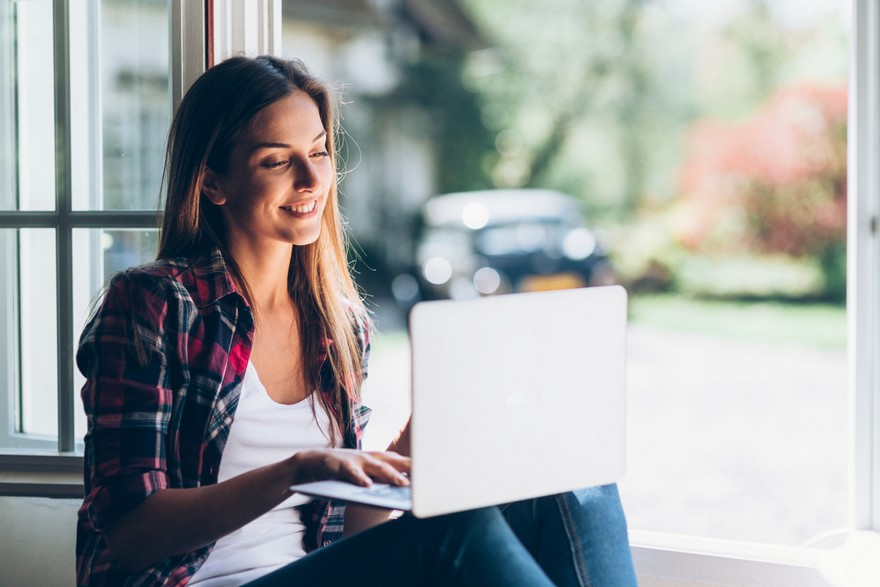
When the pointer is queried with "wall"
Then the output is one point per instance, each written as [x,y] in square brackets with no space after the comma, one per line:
[37,539]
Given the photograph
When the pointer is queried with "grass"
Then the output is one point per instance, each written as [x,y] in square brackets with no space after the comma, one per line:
[389,339]
[818,325]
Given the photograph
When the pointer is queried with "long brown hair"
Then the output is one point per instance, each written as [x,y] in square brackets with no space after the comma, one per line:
[217,107]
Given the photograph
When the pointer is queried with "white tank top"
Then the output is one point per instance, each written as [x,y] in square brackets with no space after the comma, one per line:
[263,432]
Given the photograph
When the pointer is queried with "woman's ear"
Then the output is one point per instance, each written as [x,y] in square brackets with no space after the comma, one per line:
[211,188]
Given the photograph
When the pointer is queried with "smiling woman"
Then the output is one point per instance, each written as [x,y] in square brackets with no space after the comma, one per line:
[231,368]
[275,184]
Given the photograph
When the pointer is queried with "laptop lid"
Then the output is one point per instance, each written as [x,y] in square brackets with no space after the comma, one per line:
[516,396]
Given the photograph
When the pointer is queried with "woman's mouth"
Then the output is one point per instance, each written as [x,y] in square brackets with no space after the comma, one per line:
[303,209]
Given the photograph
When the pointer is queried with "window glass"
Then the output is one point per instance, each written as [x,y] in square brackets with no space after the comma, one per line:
[712,170]
[28,100]
[37,405]
[120,109]
[737,358]
[124,93]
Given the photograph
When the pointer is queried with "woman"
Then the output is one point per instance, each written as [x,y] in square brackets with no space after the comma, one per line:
[250,314]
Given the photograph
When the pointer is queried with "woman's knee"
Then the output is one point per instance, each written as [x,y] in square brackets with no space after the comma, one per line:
[599,503]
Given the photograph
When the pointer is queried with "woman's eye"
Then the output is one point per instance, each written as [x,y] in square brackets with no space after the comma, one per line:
[274,164]
[319,154]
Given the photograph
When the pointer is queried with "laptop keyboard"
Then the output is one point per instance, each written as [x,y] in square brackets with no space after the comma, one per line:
[390,491]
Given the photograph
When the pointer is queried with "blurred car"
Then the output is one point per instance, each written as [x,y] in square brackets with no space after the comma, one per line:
[469,244]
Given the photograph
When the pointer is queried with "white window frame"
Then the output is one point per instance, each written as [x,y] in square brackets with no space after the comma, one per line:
[30,465]
[253,26]
[242,26]
[863,265]
[249,27]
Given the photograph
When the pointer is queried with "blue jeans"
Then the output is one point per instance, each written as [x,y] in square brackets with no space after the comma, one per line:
[577,538]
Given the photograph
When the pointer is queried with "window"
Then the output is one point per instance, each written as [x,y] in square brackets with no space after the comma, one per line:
[696,161]
[745,463]
[81,190]
[78,203]
[86,96]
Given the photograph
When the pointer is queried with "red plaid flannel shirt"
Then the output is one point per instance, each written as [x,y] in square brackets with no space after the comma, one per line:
[164,423]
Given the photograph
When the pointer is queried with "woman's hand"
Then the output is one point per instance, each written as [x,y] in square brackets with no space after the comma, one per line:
[173,521]
[355,466]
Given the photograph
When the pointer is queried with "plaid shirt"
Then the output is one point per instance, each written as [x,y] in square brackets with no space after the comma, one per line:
[163,422]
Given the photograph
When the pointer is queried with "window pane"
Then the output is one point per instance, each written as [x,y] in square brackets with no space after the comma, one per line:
[38,333]
[98,254]
[31,105]
[737,365]
[712,170]
[9,408]
[7,109]
[127,73]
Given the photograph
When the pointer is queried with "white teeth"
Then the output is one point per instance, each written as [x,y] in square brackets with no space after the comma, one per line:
[303,208]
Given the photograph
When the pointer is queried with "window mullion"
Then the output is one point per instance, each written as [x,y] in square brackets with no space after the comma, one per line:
[863,258]
[252,27]
[63,236]
[188,51]
[8,268]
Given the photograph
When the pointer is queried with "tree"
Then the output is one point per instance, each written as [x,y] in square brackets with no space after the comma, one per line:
[772,184]
[559,67]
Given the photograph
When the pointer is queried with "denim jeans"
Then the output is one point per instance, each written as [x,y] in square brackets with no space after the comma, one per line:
[577,538]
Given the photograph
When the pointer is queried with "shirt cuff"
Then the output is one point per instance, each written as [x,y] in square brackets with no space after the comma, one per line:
[106,503]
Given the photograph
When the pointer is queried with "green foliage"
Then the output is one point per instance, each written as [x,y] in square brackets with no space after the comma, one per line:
[461,139]
[577,86]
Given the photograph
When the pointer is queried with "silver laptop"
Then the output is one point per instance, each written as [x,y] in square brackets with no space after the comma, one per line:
[513,397]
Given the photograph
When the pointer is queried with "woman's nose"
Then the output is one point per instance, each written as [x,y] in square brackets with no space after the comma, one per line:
[305,177]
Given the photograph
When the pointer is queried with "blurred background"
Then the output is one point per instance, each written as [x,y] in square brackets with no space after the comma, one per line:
[694,152]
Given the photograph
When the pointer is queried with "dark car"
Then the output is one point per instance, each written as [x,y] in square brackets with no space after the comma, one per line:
[499,241]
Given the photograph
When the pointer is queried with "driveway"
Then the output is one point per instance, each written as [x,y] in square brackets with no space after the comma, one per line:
[727,439]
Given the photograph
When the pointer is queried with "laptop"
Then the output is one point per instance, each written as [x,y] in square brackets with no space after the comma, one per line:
[513,397]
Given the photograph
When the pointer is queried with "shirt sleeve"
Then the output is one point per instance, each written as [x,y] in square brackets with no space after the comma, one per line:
[363,332]
[361,415]
[127,400]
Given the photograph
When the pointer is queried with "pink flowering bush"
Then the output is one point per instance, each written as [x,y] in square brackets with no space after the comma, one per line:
[774,184]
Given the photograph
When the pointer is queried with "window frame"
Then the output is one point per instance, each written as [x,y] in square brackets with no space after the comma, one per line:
[195,43]
[205,31]
[22,452]
[863,264]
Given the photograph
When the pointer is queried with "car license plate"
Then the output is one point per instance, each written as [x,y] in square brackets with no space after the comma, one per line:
[551,282]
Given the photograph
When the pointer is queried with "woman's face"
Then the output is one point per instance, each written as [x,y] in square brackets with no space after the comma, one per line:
[279,174]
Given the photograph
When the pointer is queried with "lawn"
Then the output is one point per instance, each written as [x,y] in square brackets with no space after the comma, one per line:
[818,325]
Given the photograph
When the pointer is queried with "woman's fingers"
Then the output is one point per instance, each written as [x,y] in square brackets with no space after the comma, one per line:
[384,471]
[398,461]
[354,466]
[354,473]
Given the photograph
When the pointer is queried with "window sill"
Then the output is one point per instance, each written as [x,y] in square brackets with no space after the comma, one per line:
[664,559]
[41,474]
